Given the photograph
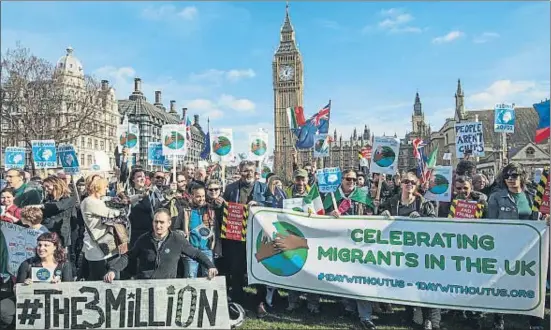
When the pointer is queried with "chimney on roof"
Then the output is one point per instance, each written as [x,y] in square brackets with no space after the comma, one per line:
[104,85]
[157,97]
[172,106]
[137,85]
[184,113]
[196,119]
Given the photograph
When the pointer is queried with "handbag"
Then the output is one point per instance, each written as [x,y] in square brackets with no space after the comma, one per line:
[116,238]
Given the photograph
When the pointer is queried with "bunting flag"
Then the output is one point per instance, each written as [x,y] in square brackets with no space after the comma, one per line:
[205,153]
[313,202]
[543,130]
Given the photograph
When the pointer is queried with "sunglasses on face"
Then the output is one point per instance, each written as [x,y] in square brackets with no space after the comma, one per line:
[159,177]
[512,176]
[412,182]
[351,179]
[213,189]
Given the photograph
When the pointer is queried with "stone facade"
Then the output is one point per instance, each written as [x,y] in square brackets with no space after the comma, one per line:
[499,148]
[344,153]
[70,74]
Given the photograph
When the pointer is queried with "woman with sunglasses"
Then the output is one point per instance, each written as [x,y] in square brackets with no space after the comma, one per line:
[409,203]
[512,201]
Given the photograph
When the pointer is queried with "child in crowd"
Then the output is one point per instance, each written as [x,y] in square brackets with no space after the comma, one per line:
[32,217]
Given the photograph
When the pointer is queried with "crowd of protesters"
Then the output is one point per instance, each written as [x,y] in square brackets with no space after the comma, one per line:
[100,229]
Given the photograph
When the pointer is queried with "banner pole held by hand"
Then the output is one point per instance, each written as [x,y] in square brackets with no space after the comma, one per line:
[334,201]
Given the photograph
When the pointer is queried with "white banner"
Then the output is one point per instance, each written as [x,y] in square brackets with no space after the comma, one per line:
[258,146]
[484,265]
[222,145]
[440,184]
[469,138]
[385,155]
[128,135]
[138,304]
[173,137]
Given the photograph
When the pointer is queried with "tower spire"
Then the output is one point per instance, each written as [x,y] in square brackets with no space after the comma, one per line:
[459,88]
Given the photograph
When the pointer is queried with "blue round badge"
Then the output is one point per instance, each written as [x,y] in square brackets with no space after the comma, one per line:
[167,250]
[58,272]
[43,274]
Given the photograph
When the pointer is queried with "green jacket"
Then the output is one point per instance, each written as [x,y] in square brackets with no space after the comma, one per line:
[26,195]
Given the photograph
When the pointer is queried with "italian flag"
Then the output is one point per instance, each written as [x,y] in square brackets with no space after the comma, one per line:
[312,201]
[296,117]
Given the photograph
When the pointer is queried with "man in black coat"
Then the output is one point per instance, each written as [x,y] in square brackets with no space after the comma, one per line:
[246,191]
[167,246]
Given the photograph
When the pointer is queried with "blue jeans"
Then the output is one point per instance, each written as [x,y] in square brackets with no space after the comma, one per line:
[191,267]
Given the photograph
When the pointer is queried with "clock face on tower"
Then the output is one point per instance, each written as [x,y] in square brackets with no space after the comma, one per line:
[286,73]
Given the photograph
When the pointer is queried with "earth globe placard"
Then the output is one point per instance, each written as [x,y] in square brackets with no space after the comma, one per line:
[128,140]
[221,146]
[438,184]
[318,146]
[286,263]
[258,147]
[384,156]
[265,171]
[174,140]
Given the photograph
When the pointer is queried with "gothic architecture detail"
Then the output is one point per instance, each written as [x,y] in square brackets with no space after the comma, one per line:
[419,129]
[288,83]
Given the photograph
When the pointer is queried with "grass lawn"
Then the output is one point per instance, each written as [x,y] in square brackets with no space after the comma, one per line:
[331,317]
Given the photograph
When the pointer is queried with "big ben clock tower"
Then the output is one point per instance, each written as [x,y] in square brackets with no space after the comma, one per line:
[287,70]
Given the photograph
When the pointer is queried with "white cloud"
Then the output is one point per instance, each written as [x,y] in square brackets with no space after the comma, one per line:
[396,20]
[240,105]
[485,37]
[451,36]
[522,93]
[206,107]
[163,12]
[218,76]
[189,13]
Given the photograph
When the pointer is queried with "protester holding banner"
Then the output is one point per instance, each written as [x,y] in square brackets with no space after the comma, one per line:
[512,202]
[156,253]
[463,191]
[351,200]
[24,193]
[10,211]
[50,255]
[58,208]
[199,224]
[411,204]
[300,189]
[246,191]
[216,202]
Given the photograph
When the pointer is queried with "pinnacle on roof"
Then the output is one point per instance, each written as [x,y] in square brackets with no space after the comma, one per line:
[459,89]
[287,26]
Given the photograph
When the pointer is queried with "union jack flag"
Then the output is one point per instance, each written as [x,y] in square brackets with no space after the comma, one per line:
[323,114]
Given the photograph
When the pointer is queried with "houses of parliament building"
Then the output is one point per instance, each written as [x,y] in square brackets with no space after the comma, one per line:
[288,84]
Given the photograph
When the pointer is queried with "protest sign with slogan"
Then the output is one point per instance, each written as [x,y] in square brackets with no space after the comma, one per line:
[440,184]
[321,145]
[504,118]
[385,155]
[222,145]
[196,303]
[173,139]
[44,154]
[541,200]
[258,145]
[480,265]
[328,179]
[234,222]
[14,157]
[155,155]
[68,158]
[469,139]
[128,136]
[101,161]
[462,209]
[17,244]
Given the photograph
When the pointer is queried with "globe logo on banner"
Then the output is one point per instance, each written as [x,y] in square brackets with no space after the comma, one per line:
[504,118]
[282,263]
[222,146]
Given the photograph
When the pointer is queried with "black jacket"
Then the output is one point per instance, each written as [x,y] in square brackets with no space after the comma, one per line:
[444,208]
[159,263]
[63,270]
[424,207]
[57,217]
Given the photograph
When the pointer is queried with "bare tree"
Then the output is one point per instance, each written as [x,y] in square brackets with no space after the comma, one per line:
[40,102]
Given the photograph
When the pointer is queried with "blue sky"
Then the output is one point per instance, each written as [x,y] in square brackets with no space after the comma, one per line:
[369,58]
